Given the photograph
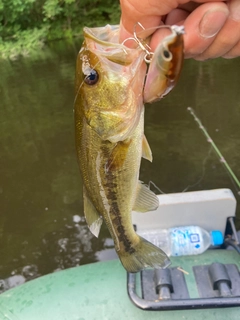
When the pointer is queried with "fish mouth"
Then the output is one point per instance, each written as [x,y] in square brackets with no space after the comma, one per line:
[104,41]
[165,64]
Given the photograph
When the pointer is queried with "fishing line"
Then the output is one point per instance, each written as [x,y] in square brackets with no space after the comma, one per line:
[219,154]
[151,183]
[203,171]
[174,28]
[76,95]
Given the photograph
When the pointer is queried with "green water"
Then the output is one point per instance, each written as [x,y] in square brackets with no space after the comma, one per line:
[42,228]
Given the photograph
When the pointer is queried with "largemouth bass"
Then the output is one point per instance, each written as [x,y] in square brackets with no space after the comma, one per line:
[110,142]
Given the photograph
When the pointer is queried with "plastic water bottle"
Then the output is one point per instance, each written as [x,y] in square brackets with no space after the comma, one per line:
[183,241]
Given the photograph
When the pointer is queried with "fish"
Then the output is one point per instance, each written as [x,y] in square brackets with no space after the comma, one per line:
[110,142]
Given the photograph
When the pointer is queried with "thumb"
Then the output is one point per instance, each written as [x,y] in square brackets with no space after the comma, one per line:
[202,27]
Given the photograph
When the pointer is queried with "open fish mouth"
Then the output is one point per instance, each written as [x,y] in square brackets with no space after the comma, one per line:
[165,63]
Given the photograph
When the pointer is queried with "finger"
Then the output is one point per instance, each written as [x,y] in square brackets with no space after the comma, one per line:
[149,14]
[233,53]
[177,16]
[226,43]
[202,27]
[125,34]
[234,7]
[133,12]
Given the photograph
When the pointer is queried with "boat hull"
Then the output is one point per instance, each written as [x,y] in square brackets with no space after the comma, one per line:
[98,291]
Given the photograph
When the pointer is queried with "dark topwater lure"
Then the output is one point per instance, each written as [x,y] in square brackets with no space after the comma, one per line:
[110,141]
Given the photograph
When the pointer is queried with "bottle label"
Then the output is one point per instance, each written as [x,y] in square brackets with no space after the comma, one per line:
[186,241]
[194,237]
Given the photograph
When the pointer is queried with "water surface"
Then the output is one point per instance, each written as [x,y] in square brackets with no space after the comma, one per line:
[42,228]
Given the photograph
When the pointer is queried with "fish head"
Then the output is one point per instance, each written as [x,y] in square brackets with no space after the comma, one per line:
[165,66]
[109,83]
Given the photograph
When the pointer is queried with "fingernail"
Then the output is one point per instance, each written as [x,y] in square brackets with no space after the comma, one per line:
[212,22]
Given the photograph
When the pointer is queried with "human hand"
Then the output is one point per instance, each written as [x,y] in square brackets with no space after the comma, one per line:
[212,27]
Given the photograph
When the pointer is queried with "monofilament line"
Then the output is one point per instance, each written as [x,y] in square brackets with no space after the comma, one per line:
[209,139]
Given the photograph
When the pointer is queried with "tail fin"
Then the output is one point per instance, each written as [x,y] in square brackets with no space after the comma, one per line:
[145,255]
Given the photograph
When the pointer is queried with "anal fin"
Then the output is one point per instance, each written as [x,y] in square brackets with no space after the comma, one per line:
[93,218]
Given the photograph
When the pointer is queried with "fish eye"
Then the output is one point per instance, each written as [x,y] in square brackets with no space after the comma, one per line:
[92,77]
[166,54]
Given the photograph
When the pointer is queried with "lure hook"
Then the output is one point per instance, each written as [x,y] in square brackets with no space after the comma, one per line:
[145,47]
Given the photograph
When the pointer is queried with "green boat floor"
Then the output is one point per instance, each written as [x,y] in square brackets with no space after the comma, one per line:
[98,291]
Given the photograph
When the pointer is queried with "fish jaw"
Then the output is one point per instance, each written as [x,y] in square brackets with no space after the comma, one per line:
[165,66]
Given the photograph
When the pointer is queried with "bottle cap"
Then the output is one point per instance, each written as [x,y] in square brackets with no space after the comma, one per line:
[217,237]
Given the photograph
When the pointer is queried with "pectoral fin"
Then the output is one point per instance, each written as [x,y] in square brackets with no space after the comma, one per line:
[118,155]
[146,151]
[93,218]
[146,200]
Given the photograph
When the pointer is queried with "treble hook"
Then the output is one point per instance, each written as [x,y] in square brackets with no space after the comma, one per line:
[145,47]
